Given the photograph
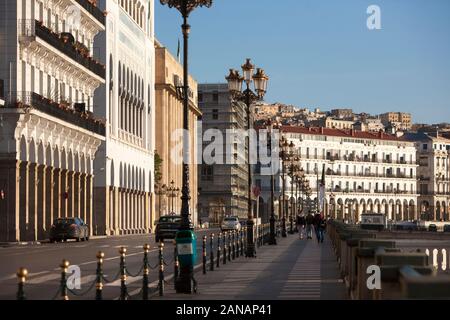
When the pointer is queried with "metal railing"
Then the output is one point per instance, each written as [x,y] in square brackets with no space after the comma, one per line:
[31,28]
[93,10]
[33,100]
[227,247]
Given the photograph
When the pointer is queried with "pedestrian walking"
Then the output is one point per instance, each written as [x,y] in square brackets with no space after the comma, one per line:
[301,225]
[309,225]
[320,226]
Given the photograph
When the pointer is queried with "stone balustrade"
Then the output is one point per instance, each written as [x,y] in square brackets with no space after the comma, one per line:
[365,258]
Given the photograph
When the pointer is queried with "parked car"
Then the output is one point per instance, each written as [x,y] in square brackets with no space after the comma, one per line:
[64,229]
[168,226]
[447,228]
[230,224]
[407,226]
[432,228]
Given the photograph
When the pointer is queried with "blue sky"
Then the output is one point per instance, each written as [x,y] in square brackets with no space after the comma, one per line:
[319,53]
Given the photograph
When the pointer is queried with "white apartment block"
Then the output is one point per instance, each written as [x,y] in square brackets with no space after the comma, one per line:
[433,154]
[124,164]
[48,132]
[364,171]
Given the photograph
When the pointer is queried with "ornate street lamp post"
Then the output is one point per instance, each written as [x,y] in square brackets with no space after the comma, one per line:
[172,193]
[185,7]
[294,169]
[272,235]
[235,81]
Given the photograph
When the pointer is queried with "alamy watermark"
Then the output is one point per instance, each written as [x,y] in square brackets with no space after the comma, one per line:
[229,147]
[374,19]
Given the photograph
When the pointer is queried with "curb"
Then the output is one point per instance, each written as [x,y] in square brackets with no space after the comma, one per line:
[20,244]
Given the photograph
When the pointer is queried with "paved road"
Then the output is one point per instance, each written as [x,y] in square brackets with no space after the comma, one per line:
[293,270]
[42,262]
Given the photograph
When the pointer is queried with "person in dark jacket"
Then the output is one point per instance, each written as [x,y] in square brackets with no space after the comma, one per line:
[309,225]
[320,226]
[301,224]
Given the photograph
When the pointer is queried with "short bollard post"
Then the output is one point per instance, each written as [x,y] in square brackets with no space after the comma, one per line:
[218,249]
[245,239]
[224,247]
[123,274]
[161,269]
[22,274]
[238,243]
[233,245]
[176,270]
[64,266]
[229,245]
[99,277]
[145,273]
[204,254]
[211,252]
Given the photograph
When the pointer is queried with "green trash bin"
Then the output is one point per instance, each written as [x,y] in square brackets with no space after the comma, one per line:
[186,241]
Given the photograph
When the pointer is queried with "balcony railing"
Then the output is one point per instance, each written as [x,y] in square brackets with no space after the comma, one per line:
[93,10]
[84,120]
[35,28]
[354,158]
[370,175]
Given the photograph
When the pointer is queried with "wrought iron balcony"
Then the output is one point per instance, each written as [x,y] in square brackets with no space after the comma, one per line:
[84,120]
[30,28]
[90,7]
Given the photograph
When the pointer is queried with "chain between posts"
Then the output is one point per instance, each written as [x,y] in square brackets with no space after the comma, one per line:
[230,246]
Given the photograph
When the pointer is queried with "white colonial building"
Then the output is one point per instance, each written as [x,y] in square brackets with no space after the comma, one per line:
[48,133]
[433,154]
[125,161]
[364,172]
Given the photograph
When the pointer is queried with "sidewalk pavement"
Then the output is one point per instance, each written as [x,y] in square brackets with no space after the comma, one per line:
[292,270]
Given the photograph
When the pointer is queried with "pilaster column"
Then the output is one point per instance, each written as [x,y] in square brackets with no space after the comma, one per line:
[83,211]
[76,194]
[9,204]
[24,194]
[148,217]
[49,201]
[64,194]
[32,204]
[110,224]
[41,202]
[116,210]
[71,194]
[133,211]
[121,210]
[91,219]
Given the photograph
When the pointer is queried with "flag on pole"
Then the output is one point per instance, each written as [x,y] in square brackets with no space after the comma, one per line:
[179,51]
[322,192]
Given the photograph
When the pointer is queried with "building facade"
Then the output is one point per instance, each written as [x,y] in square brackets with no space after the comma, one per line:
[48,132]
[169,119]
[364,172]
[433,154]
[125,161]
[223,188]
[332,123]
[401,120]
